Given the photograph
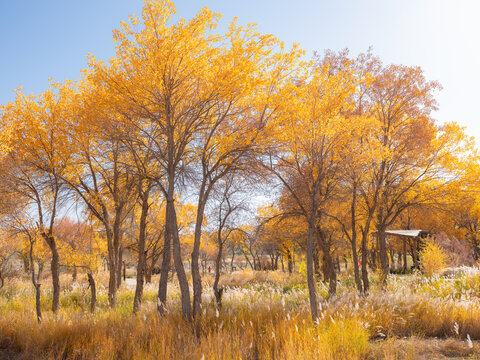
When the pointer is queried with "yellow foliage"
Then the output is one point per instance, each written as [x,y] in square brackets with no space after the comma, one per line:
[432,258]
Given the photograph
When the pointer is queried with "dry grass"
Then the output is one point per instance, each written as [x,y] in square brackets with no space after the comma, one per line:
[265,316]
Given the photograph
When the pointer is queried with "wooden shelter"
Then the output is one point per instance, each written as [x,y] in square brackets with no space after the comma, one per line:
[416,243]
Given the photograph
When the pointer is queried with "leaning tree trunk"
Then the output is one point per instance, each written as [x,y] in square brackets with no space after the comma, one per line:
[216,291]
[353,240]
[93,292]
[141,253]
[177,257]
[196,278]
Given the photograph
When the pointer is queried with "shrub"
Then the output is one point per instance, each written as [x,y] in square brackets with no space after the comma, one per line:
[432,258]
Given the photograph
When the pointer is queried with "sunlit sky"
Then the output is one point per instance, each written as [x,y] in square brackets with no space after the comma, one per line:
[51,38]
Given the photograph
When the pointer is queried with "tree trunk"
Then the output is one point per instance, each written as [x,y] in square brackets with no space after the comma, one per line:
[316,263]
[141,264]
[148,273]
[289,261]
[37,302]
[119,267]
[55,269]
[382,248]
[404,255]
[112,280]
[36,285]
[74,274]
[196,277]
[366,283]
[114,258]
[40,271]
[165,267]
[329,264]
[312,292]
[392,257]
[231,261]
[356,269]
[216,291]
[353,239]
[93,292]
[177,258]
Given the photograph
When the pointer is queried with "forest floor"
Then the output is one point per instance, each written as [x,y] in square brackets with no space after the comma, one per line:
[265,315]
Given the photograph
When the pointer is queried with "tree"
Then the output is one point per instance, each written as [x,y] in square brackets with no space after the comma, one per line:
[38,161]
[309,133]
[99,176]
[82,248]
[224,228]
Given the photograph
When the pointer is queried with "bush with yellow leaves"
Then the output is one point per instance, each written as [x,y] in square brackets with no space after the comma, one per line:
[433,258]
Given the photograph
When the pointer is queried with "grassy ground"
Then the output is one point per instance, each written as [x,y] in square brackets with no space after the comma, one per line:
[265,316]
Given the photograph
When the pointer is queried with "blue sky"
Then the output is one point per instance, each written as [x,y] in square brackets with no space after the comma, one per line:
[50,38]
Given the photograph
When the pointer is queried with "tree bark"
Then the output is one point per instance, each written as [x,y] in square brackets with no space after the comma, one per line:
[141,265]
[366,283]
[353,240]
[231,260]
[382,248]
[36,285]
[112,280]
[55,269]
[119,267]
[216,291]
[196,278]
[148,273]
[316,263]
[329,263]
[165,267]
[289,261]
[93,292]
[177,258]
[74,273]
[312,292]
